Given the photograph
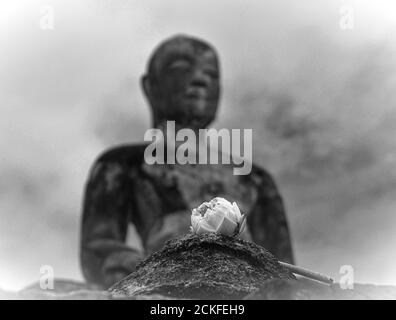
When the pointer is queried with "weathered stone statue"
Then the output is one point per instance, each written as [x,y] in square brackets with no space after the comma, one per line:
[182,84]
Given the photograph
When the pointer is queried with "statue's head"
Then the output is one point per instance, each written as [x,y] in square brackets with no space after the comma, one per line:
[182,82]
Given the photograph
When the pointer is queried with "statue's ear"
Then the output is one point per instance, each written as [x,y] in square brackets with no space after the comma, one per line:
[149,91]
[147,86]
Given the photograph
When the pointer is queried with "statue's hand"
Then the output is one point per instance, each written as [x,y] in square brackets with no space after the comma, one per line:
[120,264]
[172,226]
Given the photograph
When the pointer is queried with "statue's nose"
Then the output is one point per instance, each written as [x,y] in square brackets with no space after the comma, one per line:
[200,78]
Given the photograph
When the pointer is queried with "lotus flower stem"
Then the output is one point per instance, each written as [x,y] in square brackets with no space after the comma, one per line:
[307,273]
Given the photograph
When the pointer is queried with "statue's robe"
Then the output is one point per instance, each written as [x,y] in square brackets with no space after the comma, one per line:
[123,190]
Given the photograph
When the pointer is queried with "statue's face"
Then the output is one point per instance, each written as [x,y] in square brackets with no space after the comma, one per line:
[188,86]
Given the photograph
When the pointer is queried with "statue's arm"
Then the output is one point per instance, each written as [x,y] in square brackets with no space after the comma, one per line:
[105,258]
[268,222]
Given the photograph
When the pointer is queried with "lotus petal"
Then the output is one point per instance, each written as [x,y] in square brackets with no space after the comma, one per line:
[204,228]
[227,227]
[242,224]
[214,218]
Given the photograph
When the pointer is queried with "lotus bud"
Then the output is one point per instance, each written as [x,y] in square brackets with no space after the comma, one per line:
[218,215]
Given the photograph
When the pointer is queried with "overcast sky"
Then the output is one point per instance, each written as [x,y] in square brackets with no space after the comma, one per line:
[321,102]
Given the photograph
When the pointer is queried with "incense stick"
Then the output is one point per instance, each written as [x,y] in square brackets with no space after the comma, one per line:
[307,273]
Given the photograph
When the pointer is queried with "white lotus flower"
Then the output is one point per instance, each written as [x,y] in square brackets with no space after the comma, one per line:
[218,215]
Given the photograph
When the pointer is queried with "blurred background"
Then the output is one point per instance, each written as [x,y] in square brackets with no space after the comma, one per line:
[320,99]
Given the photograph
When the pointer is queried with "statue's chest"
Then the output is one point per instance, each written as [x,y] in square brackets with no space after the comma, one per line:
[168,194]
[194,184]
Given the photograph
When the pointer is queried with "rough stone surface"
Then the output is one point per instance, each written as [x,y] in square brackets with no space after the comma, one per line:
[303,289]
[273,289]
[209,266]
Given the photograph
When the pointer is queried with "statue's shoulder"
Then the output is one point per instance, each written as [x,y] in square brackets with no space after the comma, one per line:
[112,164]
[131,155]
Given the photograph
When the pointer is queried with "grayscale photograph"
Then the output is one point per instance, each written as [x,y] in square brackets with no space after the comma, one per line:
[197,150]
